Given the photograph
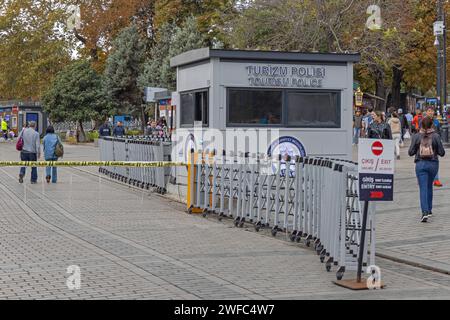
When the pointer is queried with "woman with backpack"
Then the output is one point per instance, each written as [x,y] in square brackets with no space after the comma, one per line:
[52,151]
[426,146]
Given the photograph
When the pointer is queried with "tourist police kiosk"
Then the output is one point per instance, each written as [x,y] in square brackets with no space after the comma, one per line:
[306,97]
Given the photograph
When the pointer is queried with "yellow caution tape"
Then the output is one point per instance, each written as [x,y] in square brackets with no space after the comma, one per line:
[130,164]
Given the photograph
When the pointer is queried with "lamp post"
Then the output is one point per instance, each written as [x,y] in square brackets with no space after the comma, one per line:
[441,84]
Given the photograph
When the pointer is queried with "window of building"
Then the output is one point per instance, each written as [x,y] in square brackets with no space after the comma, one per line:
[313,109]
[283,107]
[194,108]
[255,107]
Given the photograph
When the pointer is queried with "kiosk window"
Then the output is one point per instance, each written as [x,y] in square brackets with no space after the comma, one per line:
[194,107]
[313,109]
[255,107]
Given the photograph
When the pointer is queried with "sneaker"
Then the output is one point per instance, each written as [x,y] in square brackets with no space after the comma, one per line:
[398,157]
[20,178]
[33,182]
[424,217]
[430,215]
[48,179]
[438,183]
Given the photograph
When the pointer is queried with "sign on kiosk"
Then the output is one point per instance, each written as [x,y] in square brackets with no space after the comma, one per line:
[376,170]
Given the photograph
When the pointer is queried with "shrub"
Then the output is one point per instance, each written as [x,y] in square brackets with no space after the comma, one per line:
[92,135]
[134,132]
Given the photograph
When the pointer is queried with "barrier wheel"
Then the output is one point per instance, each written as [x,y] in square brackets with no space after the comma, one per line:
[322,258]
[293,236]
[258,226]
[340,273]
[190,210]
[298,238]
[236,222]
[241,223]
[329,264]
[220,216]
[308,243]
[274,231]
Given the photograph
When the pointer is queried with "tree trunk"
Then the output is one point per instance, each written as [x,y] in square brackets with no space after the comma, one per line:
[396,86]
[380,91]
[81,134]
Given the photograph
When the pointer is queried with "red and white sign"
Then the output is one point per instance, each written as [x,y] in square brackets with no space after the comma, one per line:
[376,170]
[376,156]
[377,148]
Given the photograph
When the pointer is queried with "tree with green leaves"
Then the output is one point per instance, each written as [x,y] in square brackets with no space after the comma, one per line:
[122,70]
[171,41]
[76,94]
[33,47]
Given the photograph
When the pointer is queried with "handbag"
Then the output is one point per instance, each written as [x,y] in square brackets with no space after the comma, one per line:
[406,135]
[19,144]
[59,149]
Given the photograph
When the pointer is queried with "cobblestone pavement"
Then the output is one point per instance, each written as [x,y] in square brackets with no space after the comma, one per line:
[131,245]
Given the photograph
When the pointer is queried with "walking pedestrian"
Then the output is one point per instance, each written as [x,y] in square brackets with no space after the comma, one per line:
[119,130]
[404,124]
[416,123]
[409,118]
[4,126]
[50,141]
[357,125]
[426,146]
[436,126]
[104,130]
[379,129]
[367,121]
[396,129]
[31,150]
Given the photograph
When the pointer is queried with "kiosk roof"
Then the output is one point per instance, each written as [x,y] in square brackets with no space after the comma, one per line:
[198,55]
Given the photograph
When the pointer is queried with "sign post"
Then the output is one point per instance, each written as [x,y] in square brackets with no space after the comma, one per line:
[376,183]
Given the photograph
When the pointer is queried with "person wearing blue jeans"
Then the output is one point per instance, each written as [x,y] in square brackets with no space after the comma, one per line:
[30,150]
[49,142]
[28,156]
[426,172]
[427,163]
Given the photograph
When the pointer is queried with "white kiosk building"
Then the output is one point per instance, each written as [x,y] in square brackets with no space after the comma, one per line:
[306,97]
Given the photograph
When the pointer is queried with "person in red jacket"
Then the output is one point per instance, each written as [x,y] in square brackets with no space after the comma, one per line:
[417,121]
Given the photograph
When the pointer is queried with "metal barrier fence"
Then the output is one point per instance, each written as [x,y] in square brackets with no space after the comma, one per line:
[314,200]
[137,149]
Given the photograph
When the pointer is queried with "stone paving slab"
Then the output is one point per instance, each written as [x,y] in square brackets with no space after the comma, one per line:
[131,245]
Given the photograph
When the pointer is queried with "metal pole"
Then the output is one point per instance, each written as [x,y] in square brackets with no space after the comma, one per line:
[444,132]
[438,86]
[362,242]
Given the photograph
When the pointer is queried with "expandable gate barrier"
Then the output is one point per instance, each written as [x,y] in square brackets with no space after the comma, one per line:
[137,149]
[314,200]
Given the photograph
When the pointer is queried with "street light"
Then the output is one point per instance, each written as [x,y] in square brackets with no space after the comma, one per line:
[439,28]
[436,42]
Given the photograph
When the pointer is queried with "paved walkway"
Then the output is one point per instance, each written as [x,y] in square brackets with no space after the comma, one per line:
[401,235]
[131,245]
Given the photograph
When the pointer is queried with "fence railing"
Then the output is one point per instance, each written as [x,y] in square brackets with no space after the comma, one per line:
[314,200]
[137,149]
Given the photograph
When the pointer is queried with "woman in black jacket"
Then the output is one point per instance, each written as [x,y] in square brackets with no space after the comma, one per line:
[426,146]
[378,128]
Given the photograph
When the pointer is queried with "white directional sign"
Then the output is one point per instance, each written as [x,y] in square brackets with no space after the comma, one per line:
[376,170]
